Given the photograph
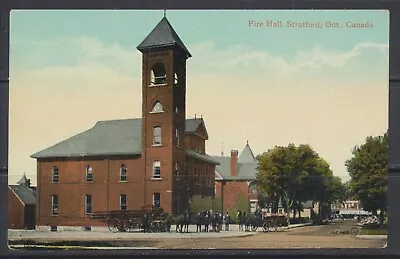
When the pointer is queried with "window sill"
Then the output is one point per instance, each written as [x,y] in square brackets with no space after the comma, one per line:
[156,112]
[123,181]
[89,181]
[54,215]
[157,145]
[54,182]
[156,179]
[157,85]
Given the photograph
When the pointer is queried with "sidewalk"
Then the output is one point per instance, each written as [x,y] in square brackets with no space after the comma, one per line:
[99,234]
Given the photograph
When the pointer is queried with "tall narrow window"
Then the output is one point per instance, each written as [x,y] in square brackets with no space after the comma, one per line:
[157,108]
[157,136]
[122,173]
[122,202]
[175,79]
[54,205]
[88,204]
[54,175]
[177,137]
[157,74]
[89,173]
[176,170]
[176,109]
[157,200]
[156,169]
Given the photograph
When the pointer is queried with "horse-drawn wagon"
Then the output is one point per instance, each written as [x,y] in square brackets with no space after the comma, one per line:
[148,219]
[271,223]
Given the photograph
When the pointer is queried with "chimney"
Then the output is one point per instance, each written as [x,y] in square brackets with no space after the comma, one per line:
[234,160]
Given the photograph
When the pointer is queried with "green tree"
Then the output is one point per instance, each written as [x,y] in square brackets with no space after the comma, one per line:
[293,174]
[368,171]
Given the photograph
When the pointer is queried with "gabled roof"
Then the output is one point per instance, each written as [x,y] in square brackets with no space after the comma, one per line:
[26,194]
[23,180]
[246,170]
[163,35]
[111,137]
[247,156]
[193,125]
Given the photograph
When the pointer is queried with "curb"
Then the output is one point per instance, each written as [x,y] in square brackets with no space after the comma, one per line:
[372,237]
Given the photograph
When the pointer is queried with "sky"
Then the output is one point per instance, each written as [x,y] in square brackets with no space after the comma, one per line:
[327,87]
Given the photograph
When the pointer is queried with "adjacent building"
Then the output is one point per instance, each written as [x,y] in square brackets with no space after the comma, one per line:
[126,164]
[235,176]
[21,205]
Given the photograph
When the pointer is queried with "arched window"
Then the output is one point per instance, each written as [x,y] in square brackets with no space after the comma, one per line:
[157,107]
[157,136]
[156,169]
[54,175]
[89,173]
[122,173]
[157,74]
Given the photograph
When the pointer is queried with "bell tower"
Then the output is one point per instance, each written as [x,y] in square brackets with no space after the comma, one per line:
[164,59]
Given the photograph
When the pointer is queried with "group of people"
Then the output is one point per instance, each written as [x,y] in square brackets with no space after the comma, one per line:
[214,219]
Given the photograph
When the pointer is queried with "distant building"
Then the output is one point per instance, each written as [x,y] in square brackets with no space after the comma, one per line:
[21,205]
[350,208]
[235,180]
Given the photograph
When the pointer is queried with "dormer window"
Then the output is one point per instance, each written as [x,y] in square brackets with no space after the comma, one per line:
[158,75]
[157,108]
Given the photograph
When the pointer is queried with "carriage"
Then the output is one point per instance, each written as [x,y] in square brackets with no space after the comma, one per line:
[270,223]
[147,218]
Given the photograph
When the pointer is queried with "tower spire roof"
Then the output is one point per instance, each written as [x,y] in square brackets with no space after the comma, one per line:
[163,35]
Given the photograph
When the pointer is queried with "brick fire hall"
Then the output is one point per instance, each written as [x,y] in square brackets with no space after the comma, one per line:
[159,159]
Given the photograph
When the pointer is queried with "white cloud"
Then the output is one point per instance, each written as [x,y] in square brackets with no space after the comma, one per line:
[274,106]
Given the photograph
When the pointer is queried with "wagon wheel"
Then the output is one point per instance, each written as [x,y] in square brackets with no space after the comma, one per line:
[131,225]
[355,231]
[254,227]
[114,225]
[265,227]
[155,226]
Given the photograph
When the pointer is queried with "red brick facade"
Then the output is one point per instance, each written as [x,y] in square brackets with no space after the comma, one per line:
[231,193]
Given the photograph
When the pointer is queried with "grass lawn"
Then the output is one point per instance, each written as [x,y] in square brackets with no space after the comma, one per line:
[376,231]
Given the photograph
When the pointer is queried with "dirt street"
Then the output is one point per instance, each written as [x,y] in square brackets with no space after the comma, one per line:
[304,237]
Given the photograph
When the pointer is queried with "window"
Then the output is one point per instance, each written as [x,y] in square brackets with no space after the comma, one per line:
[176,110]
[122,202]
[157,200]
[88,204]
[157,136]
[177,170]
[54,175]
[89,175]
[175,79]
[54,205]
[122,173]
[177,137]
[158,75]
[157,108]
[156,169]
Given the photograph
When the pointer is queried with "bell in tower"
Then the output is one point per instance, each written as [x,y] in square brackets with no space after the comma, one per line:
[163,112]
